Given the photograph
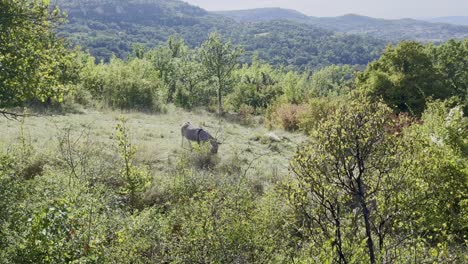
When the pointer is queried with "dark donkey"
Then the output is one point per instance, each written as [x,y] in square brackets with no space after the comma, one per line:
[199,135]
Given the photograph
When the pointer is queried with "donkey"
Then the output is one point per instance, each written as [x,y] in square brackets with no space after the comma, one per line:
[199,135]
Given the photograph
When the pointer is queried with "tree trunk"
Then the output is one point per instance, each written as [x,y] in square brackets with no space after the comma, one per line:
[171,92]
[366,215]
[220,102]
[338,241]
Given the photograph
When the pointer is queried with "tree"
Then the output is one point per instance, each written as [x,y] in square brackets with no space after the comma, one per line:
[190,83]
[333,80]
[405,76]
[33,61]
[166,60]
[256,86]
[349,184]
[450,59]
[441,174]
[219,60]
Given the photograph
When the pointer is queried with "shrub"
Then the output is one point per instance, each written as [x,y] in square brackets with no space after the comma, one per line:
[285,115]
[200,157]
[246,113]
[135,179]
[126,85]
[317,110]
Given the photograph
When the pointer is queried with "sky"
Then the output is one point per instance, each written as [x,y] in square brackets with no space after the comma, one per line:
[373,8]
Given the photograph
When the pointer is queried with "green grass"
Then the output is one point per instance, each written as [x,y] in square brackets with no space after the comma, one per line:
[157,136]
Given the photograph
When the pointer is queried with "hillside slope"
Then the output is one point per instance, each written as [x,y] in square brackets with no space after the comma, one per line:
[111,27]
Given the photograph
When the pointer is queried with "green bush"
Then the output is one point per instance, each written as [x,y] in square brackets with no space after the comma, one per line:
[317,110]
[126,85]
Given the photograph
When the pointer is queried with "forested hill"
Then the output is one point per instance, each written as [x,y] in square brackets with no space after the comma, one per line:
[112,27]
[393,30]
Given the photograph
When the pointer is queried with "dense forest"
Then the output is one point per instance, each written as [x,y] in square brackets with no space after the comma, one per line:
[323,159]
[107,28]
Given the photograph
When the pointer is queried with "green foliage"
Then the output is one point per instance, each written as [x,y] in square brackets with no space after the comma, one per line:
[369,186]
[181,73]
[216,217]
[256,86]
[167,60]
[47,236]
[346,197]
[295,87]
[127,85]
[440,174]
[318,110]
[35,64]
[219,61]
[135,180]
[407,75]
[12,192]
[450,60]
[332,81]
[259,85]
[213,239]
[304,47]
[192,86]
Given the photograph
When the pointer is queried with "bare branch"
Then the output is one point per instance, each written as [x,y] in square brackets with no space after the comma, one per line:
[12,115]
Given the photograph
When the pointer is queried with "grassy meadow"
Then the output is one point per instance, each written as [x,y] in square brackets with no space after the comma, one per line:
[157,136]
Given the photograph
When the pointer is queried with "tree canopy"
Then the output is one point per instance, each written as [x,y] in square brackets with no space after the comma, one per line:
[34,63]
[408,74]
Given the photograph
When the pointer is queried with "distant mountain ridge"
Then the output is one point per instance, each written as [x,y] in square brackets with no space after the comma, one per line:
[455,20]
[391,30]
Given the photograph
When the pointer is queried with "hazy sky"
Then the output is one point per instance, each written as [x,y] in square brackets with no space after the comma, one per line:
[374,8]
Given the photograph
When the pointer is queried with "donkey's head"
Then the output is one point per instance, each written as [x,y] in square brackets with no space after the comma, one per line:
[184,127]
[214,145]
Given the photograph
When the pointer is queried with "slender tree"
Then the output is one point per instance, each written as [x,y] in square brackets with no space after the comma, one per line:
[219,60]
[348,184]
[167,60]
